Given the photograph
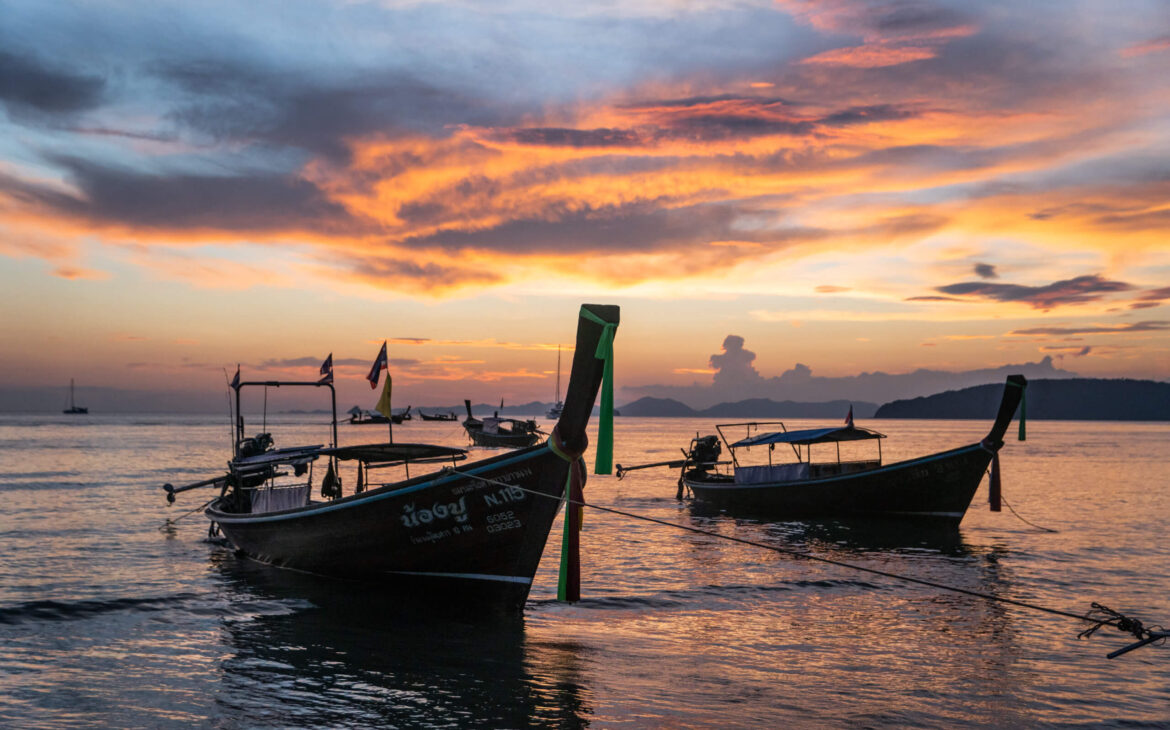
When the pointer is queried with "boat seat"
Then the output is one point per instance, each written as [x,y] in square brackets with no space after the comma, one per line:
[771,473]
[273,499]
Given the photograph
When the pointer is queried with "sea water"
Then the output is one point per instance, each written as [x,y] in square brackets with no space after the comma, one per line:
[110,619]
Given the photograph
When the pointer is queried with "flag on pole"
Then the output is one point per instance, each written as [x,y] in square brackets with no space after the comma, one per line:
[849,417]
[383,406]
[380,364]
[327,370]
[236,380]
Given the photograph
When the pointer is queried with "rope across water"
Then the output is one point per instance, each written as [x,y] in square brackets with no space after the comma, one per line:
[1112,618]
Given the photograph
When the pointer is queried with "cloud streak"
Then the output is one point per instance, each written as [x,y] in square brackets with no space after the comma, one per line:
[1078,290]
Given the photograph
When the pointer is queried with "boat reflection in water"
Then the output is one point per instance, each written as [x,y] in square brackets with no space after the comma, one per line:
[341,653]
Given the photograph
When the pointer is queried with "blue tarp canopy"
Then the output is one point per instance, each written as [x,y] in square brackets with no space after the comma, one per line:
[810,436]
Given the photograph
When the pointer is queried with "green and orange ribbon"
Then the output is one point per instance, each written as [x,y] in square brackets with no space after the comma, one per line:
[569,576]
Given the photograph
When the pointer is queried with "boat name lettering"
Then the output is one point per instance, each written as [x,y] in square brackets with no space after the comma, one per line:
[504,496]
[430,537]
[513,475]
[437,511]
[435,536]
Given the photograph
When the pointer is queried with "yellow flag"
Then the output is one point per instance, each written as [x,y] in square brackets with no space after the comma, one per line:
[383,406]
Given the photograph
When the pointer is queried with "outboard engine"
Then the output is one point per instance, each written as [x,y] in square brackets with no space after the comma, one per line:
[257,444]
[704,450]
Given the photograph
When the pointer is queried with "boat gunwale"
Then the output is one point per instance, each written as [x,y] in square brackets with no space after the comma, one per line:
[387,491]
[838,477]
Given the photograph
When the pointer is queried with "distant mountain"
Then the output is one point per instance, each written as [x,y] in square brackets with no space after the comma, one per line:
[799,383]
[750,408]
[1081,399]
[533,409]
[767,408]
[658,407]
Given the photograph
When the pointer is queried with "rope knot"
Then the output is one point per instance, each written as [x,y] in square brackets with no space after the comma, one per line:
[1131,626]
[557,445]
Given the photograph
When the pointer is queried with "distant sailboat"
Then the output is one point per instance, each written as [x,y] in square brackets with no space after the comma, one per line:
[555,412]
[73,407]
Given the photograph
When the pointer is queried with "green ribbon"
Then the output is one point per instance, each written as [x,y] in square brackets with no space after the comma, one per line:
[566,537]
[604,462]
[1023,413]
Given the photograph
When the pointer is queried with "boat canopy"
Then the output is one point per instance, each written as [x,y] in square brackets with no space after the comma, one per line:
[810,436]
[394,452]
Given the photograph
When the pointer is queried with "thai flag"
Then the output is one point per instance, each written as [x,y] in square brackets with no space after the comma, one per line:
[327,370]
[849,418]
[380,364]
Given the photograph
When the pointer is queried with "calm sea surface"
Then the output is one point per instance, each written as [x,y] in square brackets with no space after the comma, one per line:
[107,620]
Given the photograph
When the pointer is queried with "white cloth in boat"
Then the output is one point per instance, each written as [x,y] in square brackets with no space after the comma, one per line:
[272,499]
[771,473]
[491,425]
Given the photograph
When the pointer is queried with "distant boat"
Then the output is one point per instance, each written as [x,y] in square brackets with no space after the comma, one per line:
[938,486]
[558,405]
[73,407]
[360,417]
[508,433]
[437,416]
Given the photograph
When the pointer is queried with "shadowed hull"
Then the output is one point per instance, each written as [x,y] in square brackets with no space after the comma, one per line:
[442,535]
[479,437]
[939,486]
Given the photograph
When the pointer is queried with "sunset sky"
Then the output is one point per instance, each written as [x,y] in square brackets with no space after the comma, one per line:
[853,186]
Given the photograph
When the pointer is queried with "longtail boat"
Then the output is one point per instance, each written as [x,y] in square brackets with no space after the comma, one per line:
[360,417]
[472,534]
[436,416]
[939,486]
[496,432]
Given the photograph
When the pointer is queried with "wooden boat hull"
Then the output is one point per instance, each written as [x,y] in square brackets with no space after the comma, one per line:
[479,437]
[439,534]
[939,486]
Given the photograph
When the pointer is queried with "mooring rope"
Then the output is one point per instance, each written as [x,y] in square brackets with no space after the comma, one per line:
[1017,514]
[1021,519]
[1100,615]
[170,522]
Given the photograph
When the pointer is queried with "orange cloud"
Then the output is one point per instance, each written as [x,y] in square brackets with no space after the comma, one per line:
[872,55]
[1154,45]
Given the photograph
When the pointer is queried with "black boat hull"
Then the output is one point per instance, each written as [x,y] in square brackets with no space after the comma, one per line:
[443,534]
[939,487]
[479,437]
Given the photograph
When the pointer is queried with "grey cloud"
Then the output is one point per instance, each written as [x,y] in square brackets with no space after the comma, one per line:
[236,101]
[872,113]
[985,271]
[564,137]
[643,226]
[386,271]
[258,202]
[734,365]
[28,85]
[1147,326]
[293,362]
[1068,291]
